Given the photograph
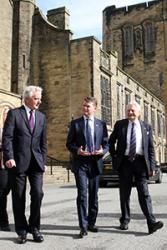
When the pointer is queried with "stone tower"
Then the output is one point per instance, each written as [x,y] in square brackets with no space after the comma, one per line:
[139,34]
[50,68]
[5,44]
[23,11]
[59,17]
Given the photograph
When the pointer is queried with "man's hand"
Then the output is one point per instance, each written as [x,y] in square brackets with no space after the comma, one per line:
[152,173]
[83,152]
[10,163]
[99,151]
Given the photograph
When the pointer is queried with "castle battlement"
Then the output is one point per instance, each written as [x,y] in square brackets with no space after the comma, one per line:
[112,10]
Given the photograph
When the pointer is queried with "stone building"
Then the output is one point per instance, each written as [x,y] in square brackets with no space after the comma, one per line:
[42,52]
[8,99]
[139,34]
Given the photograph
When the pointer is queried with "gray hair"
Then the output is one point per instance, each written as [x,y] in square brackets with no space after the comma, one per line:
[29,90]
[134,103]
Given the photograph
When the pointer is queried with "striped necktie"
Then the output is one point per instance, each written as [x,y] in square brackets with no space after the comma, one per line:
[132,150]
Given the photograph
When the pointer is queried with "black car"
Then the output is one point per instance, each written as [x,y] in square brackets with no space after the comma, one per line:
[109,175]
[163,167]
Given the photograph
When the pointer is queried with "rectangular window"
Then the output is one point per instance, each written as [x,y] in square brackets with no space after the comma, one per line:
[106,100]
[159,123]
[153,119]
[24,61]
[127,100]
[145,112]
[137,99]
[118,101]
[164,127]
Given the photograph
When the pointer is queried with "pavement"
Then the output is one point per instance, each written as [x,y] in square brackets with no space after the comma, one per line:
[59,222]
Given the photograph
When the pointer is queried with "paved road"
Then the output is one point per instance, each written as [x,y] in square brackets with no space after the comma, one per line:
[60,226]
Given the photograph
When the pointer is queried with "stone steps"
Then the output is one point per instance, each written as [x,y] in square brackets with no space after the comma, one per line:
[58,174]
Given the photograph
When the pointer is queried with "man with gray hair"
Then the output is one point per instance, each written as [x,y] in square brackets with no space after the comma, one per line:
[132,151]
[25,149]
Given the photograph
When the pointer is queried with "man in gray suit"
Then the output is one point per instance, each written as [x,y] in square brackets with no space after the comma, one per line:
[132,150]
[24,149]
[87,141]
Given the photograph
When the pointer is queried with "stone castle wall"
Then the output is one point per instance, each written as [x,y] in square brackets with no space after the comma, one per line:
[50,68]
[149,69]
[6,44]
[23,12]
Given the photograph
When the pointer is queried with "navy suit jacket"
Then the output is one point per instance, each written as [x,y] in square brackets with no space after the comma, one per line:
[76,139]
[118,139]
[19,143]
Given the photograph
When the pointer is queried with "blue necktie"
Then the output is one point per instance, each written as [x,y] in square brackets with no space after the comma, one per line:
[132,150]
[89,141]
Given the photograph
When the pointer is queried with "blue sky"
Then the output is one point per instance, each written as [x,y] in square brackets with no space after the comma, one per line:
[85,15]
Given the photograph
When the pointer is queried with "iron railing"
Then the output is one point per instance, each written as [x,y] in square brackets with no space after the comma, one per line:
[53,162]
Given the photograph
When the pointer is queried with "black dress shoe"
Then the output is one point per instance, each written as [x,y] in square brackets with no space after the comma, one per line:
[5,228]
[22,239]
[155,226]
[83,233]
[93,229]
[37,236]
[124,226]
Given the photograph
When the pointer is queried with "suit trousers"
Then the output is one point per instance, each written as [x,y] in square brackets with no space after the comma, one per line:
[87,182]
[19,182]
[4,191]
[128,172]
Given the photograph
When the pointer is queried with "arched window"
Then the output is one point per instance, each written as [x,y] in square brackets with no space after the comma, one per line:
[128,42]
[149,39]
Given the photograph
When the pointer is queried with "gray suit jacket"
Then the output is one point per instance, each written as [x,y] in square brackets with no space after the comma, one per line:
[117,144]
[19,143]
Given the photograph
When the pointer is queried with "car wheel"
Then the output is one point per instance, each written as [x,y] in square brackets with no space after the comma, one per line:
[159,180]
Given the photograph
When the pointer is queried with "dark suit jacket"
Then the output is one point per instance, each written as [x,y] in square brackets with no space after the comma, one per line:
[117,144]
[18,141]
[76,139]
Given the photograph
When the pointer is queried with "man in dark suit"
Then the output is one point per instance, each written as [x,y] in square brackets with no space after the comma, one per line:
[24,149]
[132,150]
[4,183]
[87,141]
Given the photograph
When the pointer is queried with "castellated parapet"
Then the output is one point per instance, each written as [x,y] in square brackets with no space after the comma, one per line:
[112,10]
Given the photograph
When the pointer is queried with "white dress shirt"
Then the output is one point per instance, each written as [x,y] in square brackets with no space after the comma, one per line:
[137,128]
[28,112]
[91,124]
